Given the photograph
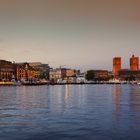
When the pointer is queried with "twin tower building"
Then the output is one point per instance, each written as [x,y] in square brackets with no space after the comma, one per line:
[134,65]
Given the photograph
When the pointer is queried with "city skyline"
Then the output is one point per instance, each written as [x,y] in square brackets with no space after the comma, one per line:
[85,34]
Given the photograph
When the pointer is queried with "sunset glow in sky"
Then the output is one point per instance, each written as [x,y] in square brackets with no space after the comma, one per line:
[85,34]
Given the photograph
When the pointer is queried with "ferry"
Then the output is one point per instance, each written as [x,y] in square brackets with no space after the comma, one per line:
[6,83]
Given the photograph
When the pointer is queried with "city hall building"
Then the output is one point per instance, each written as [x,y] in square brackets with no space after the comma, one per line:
[129,75]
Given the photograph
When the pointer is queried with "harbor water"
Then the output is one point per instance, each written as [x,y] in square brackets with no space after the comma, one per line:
[70,112]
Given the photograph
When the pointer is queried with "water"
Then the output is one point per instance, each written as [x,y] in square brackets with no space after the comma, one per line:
[70,112]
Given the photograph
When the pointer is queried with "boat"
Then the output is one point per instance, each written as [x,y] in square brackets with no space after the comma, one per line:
[35,83]
[6,83]
[114,81]
[16,83]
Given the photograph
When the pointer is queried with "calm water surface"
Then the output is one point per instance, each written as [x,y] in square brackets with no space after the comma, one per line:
[70,112]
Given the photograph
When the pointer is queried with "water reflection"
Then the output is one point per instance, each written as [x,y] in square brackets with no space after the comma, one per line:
[67,97]
[126,108]
[66,93]
[128,96]
[31,98]
[70,112]
[134,98]
[116,99]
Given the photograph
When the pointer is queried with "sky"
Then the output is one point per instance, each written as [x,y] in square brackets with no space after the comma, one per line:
[84,34]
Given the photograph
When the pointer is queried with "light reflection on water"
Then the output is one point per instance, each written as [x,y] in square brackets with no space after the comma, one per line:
[70,112]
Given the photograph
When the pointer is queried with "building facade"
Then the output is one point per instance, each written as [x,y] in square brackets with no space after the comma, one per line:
[134,63]
[7,70]
[100,74]
[63,75]
[97,75]
[116,66]
[57,74]
[72,72]
[25,72]
[129,75]
[71,75]
[43,69]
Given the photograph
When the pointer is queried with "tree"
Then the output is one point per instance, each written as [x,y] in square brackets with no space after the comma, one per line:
[90,75]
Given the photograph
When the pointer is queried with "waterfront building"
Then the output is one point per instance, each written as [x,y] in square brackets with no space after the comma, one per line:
[42,69]
[57,74]
[71,75]
[134,63]
[97,75]
[116,66]
[72,72]
[7,70]
[100,74]
[25,72]
[64,74]
[45,69]
[129,75]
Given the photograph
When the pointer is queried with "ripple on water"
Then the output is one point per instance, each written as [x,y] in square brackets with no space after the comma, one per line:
[90,112]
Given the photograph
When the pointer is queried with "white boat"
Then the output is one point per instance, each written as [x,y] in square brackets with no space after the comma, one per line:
[114,81]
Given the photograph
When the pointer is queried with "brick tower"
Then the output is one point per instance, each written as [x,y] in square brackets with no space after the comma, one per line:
[116,66]
[134,63]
